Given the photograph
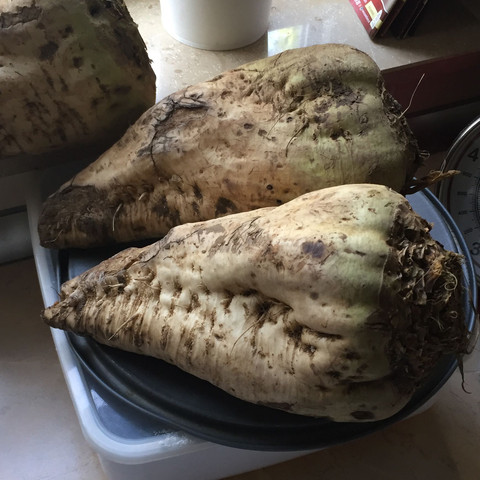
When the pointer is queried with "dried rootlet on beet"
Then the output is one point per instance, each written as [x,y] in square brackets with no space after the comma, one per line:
[335,304]
[256,136]
[72,73]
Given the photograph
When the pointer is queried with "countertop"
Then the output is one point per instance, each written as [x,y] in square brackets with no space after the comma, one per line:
[444,31]
[40,437]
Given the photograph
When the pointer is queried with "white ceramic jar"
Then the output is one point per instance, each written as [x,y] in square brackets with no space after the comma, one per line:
[216,24]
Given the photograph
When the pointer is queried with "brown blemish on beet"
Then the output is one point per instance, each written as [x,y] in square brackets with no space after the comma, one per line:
[197,192]
[48,50]
[77,62]
[137,330]
[335,374]
[315,249]
[224,206]
[194,303]
[351,355]
[163,210]
[227,301]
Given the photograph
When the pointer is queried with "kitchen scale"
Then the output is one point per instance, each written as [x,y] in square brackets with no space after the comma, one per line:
[461,193]
[146,419]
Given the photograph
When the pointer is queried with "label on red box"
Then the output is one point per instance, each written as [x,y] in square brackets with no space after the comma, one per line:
[373,13]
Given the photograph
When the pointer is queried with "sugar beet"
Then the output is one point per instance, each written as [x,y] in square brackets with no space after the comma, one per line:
[336,304]
[256,136]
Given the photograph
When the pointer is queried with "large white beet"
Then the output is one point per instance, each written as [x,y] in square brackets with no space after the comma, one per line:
[335,304]
[258,135]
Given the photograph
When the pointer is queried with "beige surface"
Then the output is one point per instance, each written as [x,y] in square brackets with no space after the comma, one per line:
[40,437]
[446,31]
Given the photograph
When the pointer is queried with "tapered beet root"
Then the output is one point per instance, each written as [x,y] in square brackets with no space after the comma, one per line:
[336,304]
[256,136]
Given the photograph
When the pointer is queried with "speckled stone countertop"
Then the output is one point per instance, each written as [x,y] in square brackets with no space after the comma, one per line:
[443,32]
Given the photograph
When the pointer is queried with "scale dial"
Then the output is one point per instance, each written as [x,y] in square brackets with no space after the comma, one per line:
[461,193]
